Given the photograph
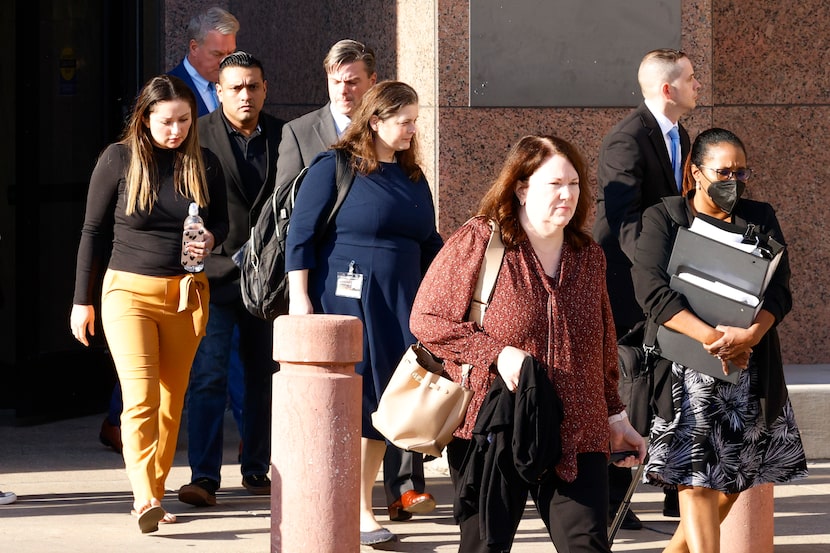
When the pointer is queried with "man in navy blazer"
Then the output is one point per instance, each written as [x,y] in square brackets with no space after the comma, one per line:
[211,36]
[246,140]
[635,172]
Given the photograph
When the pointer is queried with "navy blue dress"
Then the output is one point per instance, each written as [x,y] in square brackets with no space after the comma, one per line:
[386,228]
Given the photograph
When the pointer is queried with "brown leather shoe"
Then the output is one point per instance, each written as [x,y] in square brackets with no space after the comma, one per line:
[110,436]
[411,502]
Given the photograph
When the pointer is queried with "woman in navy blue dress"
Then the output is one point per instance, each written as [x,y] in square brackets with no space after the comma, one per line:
[370,261]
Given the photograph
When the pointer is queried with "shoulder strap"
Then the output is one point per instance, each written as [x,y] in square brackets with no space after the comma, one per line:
[344,176]
[490,267]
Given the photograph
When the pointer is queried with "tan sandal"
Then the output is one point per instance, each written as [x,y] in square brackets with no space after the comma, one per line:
[148,519]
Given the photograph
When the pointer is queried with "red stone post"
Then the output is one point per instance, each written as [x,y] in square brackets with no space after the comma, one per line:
[750,525]
[315,435]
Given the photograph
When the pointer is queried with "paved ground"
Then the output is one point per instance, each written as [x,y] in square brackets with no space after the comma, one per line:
[74,497]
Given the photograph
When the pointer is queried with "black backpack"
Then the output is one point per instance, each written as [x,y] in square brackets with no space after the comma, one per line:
[261,259]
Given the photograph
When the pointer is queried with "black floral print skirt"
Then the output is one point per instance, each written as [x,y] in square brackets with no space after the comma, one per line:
[719,439]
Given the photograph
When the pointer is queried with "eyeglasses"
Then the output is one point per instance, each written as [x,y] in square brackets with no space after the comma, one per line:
[726,174]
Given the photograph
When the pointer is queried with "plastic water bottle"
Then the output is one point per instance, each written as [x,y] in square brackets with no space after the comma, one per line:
[194,230]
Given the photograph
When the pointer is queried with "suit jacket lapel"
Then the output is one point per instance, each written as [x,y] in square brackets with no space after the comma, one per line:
[219,142]
[325,128]
[659,145]
[685,143]
[273,134]
[181,72]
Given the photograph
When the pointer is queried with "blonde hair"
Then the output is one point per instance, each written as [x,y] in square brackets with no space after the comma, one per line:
[142,173]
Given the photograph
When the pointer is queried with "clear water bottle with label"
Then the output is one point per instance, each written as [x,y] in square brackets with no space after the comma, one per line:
[194,230]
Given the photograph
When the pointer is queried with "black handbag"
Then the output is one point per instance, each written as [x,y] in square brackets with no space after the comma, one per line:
[636,384]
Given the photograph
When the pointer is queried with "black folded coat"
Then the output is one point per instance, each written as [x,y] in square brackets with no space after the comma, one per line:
[516,444]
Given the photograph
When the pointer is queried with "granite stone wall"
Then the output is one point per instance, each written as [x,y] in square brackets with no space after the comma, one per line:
[759,63]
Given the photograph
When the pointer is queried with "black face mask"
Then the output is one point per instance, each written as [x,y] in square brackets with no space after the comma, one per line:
[726,193]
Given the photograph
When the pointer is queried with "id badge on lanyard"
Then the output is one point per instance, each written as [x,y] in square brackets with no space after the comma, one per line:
[349,285]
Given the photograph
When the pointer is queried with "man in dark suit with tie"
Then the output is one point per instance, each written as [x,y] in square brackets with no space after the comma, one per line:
[246,141]
[350,72]
[210,37]
[640,162]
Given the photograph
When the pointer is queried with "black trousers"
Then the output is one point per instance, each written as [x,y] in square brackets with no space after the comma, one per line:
[402,471]
[575,513]
[619,480]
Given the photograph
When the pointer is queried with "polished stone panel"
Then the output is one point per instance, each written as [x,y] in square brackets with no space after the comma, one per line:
[760,64]
[771,52]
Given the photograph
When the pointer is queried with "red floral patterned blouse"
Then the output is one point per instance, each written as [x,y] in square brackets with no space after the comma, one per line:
[565,324]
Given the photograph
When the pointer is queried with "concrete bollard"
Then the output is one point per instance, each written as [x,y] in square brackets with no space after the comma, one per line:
[750,525]
[315,436]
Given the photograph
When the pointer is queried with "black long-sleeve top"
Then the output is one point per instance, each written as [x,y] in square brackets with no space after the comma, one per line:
[661,303]
[146,243]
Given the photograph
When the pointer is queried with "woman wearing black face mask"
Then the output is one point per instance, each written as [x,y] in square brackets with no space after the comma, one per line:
[717,441]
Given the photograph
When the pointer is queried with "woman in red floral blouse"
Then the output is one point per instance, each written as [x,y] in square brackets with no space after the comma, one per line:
[549,302]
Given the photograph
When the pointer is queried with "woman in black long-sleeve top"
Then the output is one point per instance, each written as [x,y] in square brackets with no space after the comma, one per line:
[720,439]
[153,311]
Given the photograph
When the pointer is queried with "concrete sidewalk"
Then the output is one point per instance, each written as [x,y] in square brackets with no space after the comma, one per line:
[74,497]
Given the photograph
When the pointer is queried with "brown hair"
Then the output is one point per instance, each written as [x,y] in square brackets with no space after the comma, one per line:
[384,100]
[349,51]
[142,174]
[531,152]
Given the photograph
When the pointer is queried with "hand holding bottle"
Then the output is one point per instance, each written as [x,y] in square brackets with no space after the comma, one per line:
[197,241]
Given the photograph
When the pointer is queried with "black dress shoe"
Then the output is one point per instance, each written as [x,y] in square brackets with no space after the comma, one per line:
[199,493]
[397,513]
[631,521]
[257,484]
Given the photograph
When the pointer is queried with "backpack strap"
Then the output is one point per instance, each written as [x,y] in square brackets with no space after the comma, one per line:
[344,177]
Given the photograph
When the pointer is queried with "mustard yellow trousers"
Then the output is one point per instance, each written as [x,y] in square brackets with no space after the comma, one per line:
[153,327]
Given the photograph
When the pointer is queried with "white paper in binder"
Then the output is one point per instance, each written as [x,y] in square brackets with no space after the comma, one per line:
[734,239]
[720,289]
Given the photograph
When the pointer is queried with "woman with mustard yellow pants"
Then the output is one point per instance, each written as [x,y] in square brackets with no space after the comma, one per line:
[153,346]
[154,311]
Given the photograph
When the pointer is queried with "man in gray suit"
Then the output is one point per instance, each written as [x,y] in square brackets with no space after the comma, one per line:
[350,71]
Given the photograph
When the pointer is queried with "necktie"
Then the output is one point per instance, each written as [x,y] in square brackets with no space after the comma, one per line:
[212,90]
[675,156]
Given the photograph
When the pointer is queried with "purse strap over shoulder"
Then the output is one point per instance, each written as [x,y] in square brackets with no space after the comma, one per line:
[487,276]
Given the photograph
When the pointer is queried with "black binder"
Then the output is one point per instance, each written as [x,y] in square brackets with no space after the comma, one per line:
[722,262]
[714,261]
[690,353]
[714,308]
